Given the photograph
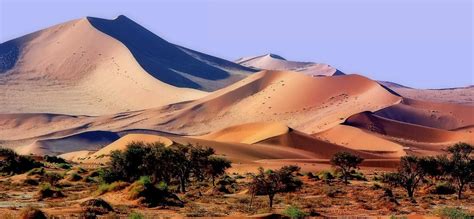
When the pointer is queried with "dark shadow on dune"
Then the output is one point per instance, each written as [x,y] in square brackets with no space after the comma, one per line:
[157,56]
[9,54]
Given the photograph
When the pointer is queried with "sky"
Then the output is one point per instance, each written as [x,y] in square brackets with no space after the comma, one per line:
[417,43]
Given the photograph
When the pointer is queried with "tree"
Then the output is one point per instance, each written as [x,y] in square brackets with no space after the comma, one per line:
[272,182]
[12,163]
[216,167]
[345,162]
[409,175]
[460,165]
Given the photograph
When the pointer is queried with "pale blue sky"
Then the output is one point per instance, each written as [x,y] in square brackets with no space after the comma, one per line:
[418,43]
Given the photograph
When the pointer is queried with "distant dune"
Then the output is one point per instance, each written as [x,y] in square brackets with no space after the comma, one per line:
[276,62]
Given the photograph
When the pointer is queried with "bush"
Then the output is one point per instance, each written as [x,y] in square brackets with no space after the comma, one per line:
[74,177]
[294,212]
[36,172]
[51,177]
[345,162]
[54,159]
[135,215]
[151,195]
[452,213]
[12,163]
[96,207]
[64,166]
[326,175]
[443,188]
[47,191]
[32,213]
[115,186]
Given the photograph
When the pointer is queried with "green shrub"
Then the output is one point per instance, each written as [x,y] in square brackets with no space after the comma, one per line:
[294,212]
[47,191]
[36,172]
[54,159]
[152,195]
[443,188]
[74,177]
[452,213]
[115,186]
[64,166]
[326,175]
[135,215]
[12,163]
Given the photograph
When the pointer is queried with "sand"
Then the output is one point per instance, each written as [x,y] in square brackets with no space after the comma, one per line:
[247,133]
[276,62]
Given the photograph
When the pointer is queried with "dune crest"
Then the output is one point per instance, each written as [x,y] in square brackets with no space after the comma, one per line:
[247,133]
[276,62]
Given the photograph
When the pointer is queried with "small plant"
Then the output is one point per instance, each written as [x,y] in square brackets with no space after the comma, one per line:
[53,159]
[64,166]
[47,191]
[39,171]
[135,215]
[74,177]
[294,212]
[96,207]
[443,188]
[452,213]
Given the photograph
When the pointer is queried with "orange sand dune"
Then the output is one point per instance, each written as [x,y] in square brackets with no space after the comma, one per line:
[459,95]
[360,140]
[122,143]
[247,133]
[407,131]
[76,156]
[435,115]
[309,104]
[321,149]
[276,62]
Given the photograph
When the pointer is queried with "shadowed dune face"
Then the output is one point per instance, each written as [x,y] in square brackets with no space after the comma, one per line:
[9,54]
[163,60]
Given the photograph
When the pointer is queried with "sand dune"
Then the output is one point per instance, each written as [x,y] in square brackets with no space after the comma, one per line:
[402,130]
[458,95]
[93,140]
[276,62]
[435,115]
[360,140]
[92,66]
[309,104]
[247,133]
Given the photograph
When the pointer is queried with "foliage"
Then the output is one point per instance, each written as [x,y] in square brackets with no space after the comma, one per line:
[271,182]
[443,188]
[294,212]
[47,191]
[345,162]
[409,175]
[452,213]
[54,159]
[96,207]
[460,165]
[152,195]
[176,163]
[12,163]
[135,215]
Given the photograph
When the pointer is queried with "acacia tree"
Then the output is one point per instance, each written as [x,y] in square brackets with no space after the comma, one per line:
[272,182]
[460,166]
[409,175]
[216,167]
[345,162]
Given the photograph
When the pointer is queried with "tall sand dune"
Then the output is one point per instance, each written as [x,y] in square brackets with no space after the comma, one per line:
[276,62]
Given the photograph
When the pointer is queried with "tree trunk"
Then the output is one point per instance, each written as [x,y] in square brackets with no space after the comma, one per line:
[213,184]
[270,197]
[183,185]
[461,186]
